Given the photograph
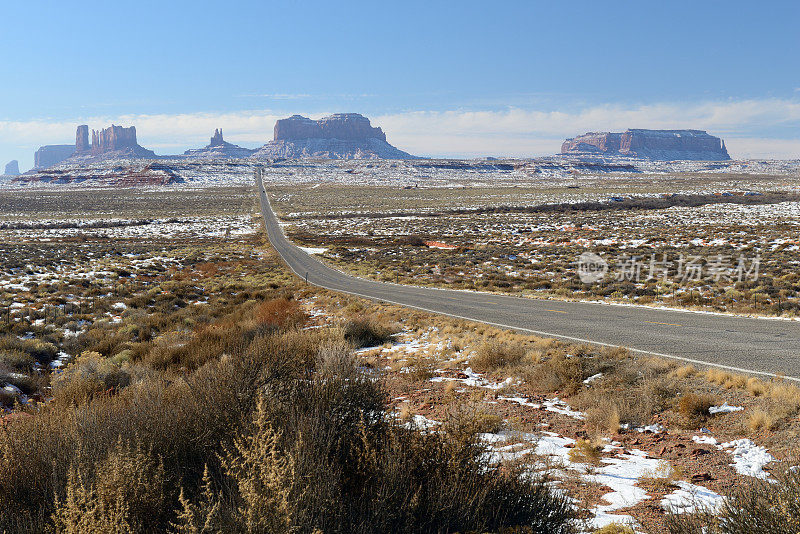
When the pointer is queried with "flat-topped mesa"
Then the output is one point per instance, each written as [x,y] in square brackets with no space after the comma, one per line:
[344,126]
[666,145]
[50,155]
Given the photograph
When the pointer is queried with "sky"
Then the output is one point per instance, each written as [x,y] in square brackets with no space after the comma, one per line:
[455,79]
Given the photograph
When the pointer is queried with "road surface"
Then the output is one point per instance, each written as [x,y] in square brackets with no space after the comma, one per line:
[749,345]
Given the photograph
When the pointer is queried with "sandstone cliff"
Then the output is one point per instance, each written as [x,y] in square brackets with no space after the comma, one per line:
[108,143]
[663,145]
[50,155]
[12,168]
[340,136]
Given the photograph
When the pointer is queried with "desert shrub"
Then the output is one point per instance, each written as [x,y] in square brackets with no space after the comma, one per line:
[281,313]
[694,407]
[625,398]
[754,507]
[86,376]
[42,351]
[367,332]
[760,420]
[17,360]
[193,449]
[558,373]
[265,478]
[126,494]
[585,452]
[493,355]
[421,369]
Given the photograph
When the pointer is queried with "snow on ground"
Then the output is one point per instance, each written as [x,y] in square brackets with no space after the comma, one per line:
[748,458]
[725,408]
[313,250]
[689,498]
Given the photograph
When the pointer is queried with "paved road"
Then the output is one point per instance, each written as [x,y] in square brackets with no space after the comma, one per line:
[755,346]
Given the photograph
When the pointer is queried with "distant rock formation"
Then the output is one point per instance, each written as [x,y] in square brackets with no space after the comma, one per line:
[661,145]
[216,139]
[119,174]
[340,136]
[50,155]
[115,140]
[219,148]
[82,139]
[12,168]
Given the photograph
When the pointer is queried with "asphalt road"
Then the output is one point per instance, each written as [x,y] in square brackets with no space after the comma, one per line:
[749,345]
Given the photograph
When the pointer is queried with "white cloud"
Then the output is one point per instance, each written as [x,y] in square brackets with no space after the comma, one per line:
[751,128]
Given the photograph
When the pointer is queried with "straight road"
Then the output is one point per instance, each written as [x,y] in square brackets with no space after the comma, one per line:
[749,345]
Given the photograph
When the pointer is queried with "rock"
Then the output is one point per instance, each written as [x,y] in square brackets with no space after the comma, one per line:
[50,155]
[114,142]
[344,126]
[216,139]
[112,139]
[218,148]
[82,139]
[663,145]
[340,136]
[12,168]
[702,477]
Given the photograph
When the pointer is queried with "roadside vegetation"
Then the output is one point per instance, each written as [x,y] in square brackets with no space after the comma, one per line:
[187,382]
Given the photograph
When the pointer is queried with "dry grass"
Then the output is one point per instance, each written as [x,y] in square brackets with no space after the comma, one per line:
[367,332]
[685,371]
[760,420]
[614,528]
[585,452]
[694,408]
[492,355]
[662,478]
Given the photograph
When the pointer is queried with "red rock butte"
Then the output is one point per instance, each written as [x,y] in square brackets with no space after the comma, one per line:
[106,140]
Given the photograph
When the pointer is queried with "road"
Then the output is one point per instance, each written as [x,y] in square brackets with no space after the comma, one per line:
[766,347]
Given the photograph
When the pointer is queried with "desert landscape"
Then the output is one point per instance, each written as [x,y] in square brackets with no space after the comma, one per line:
[368,268]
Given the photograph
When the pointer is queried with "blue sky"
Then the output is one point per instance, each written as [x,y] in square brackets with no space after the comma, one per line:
[442,78]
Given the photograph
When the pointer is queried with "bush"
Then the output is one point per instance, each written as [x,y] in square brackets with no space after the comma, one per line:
[694,408]
[756,507]
[125,495]
[367,332]
[41,351]
[86,376]
[494,355]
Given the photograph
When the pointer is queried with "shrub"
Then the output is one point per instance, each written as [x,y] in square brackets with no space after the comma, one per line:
[86,376]
[125,495]
[753,507]
[17,360]
[585,452]
[559,373]
[42,351]
[760,420]
[367,332]
[694,408]
[494,355]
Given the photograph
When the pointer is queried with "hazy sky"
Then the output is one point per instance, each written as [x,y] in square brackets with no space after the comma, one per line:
[455,78]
